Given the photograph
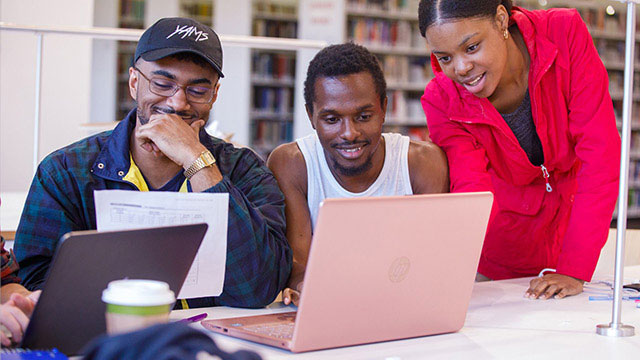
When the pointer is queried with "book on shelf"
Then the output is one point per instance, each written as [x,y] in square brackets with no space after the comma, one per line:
[274,28]
[270,7]
[414,109]
[380,32]
[124,59]
[273,76]
[202,9]
[404,110]
[634,174]
[131,14]
[273,100]
[633,201]
[396,104]
[405,70]
[269,134]
[395,6]
[273,65]
[396,68]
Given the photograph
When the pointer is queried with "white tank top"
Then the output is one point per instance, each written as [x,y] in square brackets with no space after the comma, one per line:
[321,184]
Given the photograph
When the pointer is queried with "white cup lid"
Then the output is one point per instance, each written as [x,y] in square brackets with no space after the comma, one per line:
[138,293]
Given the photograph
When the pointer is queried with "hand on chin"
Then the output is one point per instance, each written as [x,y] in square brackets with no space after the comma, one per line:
[168,135]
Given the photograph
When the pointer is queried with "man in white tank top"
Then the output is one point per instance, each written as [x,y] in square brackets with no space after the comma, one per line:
[348,155]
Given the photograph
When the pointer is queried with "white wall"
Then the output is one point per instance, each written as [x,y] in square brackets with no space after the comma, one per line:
[104,61]
[66,84]
[231,110]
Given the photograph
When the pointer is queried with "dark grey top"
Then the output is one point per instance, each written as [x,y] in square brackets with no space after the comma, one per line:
[521,123]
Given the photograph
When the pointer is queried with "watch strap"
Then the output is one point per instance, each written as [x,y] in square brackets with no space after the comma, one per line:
[205,159]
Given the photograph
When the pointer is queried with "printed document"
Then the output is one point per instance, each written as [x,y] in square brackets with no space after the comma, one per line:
[123,210]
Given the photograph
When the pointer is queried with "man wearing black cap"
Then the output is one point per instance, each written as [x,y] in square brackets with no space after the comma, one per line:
[161,145]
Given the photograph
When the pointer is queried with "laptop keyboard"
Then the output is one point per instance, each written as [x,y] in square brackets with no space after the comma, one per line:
[277,330]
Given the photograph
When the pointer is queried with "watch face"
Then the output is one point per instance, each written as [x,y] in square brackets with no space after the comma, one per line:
[208,158]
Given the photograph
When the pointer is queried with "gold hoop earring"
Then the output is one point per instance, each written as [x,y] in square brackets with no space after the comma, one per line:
[505,33]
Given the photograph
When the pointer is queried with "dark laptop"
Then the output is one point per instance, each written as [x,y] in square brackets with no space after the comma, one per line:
[70,312]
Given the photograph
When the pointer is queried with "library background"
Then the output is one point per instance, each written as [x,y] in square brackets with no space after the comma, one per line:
[261,103]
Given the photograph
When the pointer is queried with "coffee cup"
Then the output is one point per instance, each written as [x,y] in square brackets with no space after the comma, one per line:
[136,304]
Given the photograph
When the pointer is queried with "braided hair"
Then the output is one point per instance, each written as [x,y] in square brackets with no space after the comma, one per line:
[431,11]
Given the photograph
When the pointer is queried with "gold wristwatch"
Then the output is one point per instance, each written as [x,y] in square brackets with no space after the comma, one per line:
[205,159]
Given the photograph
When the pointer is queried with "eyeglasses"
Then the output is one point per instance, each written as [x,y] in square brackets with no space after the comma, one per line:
[164,87]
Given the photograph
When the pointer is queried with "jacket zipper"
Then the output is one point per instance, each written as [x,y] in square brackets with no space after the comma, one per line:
[545,172]
[545,175]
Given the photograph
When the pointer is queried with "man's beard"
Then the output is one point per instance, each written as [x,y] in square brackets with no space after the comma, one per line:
[355,170]
[141,116]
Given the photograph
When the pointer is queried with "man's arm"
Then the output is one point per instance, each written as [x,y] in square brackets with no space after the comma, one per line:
[428,168]
[289,168]
[258,255]
[50,211]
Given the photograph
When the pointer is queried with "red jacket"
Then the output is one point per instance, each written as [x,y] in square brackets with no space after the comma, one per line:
[531,228]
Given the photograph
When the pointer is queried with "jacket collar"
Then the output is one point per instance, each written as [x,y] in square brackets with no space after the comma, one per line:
[542,51]
[113,162]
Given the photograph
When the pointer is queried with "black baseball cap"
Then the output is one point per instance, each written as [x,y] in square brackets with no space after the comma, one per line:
[170,36]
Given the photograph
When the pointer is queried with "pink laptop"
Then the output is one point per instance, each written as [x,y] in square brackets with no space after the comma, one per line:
[380,268]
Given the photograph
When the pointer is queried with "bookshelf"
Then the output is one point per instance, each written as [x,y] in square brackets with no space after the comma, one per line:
[608,33]
[131,16]
[389,29]
[272,76]
[200,10]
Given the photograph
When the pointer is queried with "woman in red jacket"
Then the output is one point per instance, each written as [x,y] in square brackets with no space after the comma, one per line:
[520,104]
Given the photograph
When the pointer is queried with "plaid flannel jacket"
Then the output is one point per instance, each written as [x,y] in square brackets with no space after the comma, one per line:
[61,200]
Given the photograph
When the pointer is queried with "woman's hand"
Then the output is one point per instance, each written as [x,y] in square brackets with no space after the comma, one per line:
[547,286]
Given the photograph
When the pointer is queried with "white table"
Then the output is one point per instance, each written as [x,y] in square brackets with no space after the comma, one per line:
[501,323]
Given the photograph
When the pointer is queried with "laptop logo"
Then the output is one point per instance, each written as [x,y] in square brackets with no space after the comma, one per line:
[399,269]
